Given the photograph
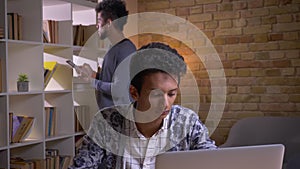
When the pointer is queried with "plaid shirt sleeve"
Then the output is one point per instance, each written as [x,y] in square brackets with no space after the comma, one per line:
[200,138]
[89,155]
[188,131]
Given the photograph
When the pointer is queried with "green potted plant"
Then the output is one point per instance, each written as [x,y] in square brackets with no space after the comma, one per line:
[23,82]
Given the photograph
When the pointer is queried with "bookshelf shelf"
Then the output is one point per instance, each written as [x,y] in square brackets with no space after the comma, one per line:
[25,143]
[23,42]
[51,46]
[80,133]
[58,91]
[28,55]
[15,93]
[2,148]
[58,137]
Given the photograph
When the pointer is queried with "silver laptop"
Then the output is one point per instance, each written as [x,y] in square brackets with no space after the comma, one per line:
[246,157]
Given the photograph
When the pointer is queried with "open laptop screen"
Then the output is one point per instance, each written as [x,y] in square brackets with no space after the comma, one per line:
[245,157]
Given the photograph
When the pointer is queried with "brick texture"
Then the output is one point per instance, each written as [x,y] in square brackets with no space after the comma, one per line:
[258,42]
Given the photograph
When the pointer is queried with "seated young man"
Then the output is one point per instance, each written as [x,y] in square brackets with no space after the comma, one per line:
[130,136]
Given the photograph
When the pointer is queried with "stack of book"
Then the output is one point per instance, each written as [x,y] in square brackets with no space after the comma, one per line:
[19,163]
[56,161]
[19,127]
[1,33]
[50,114]
[50,31]
[14,23]
[53,161]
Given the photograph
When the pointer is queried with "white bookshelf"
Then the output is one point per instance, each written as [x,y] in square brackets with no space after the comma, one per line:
[27,56]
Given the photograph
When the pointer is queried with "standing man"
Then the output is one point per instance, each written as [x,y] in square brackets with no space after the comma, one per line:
[131,136]
[111,18]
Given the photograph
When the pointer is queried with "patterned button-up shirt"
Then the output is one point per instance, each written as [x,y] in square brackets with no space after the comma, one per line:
[113,140]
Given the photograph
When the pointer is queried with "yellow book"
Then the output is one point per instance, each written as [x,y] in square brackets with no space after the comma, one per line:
[51,67]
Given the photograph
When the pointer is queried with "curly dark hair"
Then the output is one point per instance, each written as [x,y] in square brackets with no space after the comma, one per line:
[114,10]
[152,58]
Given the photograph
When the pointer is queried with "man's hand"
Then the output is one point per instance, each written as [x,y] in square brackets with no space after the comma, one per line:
[86,72]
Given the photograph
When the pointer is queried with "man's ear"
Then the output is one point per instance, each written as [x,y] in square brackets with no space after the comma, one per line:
[133,92]
[109,22]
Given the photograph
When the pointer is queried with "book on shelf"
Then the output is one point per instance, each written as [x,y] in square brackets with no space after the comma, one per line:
[78,35]
[0,76]
[10,126]
[19,127]
[52,162]
[19,163]
[82,117]
[56,161]
[50,121]
[10,26]
[78,126]
[15,26]
[45,37]
[46,31]
[78,143]
[52,152]
[39,163]
[14,21]
[50,31]
[49,69]
[20,27]
[1,33]
[52,158]
[46,71]
[55,34]
[65,161]
[81,33]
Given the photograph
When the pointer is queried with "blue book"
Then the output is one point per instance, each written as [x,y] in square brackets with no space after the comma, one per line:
[50,120]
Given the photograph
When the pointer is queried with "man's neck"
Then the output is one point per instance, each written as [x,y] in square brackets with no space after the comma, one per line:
[116,36]
[149,129]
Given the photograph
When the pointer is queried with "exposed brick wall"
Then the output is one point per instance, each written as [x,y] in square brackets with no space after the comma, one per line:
[258,42]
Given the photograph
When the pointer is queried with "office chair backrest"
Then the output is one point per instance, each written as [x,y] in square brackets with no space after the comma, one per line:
[267,130]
